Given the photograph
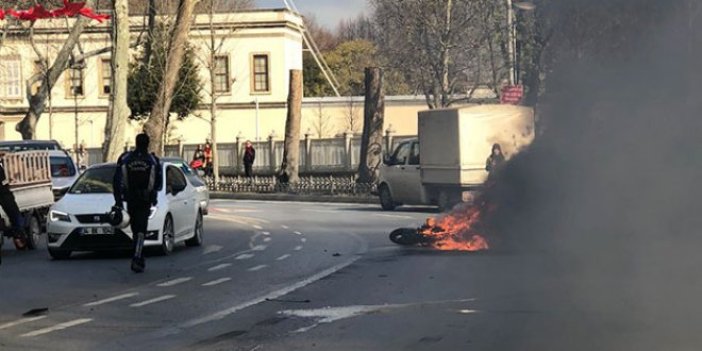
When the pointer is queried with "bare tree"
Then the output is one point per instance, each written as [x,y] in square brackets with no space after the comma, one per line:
[352,116]
[442,45]
[154,127]
[289,169]
[217,66]
[320,122]
[373,120]
[37,100]
[119,110]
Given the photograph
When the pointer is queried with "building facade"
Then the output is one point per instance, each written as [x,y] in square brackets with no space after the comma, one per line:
[258,49]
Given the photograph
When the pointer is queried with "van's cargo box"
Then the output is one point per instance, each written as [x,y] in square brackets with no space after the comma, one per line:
[456,142]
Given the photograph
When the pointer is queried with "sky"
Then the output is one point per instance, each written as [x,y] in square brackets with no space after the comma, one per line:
[328,12]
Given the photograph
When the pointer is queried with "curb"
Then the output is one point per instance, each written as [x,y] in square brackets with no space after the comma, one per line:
[293,198]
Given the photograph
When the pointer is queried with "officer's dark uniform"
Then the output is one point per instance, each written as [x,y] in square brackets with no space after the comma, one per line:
[9,205]
[137,181]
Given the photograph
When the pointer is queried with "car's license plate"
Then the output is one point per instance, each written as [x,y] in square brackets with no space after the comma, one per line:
[98,231]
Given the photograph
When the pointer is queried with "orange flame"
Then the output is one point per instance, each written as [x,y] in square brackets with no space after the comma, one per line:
[456,231]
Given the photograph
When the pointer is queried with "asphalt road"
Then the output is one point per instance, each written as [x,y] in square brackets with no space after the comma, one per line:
[302,276]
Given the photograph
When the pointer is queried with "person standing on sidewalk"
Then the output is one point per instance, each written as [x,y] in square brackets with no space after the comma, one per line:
[9,205]
[137,180]
[209,171]
[249,158]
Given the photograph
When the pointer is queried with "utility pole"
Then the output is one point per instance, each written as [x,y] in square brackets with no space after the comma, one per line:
[511,37]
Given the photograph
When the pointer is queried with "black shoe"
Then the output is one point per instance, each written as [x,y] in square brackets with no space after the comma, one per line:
[138,265]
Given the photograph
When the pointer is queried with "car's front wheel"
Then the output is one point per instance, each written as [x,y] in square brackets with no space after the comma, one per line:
[168,237]
[196,240]
[386,200]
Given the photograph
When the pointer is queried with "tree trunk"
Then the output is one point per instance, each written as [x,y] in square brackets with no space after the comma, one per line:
[290,167]
[373,119]
[119,110]
[154,127]
[37,102]
[213,96]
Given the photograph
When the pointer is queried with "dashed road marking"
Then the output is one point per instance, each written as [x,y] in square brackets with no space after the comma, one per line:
[21,321]
[297,233]
[285,227]
[110,299]
[257,268]
[298,248]
[212,249]
[259,248]
[256,226]
[175,282]
[244,257]
[217,282]
[57,327]
[265,240]
[304,240]
[266,233]
[219,267]
[152,301]
[284,257]
[392,216]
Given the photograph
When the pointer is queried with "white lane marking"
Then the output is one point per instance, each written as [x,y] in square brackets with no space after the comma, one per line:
[304,240]
[212,249]
[175,282]
[272,295]
[110,299]
[285,227]
[217,282]
[297,233]
[266,233]
[392,216]
[257,268]
[256,226]
[265,240]
[244,257]
[21,321]
[284,257]
[298,248]
[219,267]
[238,219]
[259,248]
[149,302]
[56,327]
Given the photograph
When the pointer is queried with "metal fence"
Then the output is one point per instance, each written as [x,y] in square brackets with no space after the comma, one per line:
[308,185]
[336,156]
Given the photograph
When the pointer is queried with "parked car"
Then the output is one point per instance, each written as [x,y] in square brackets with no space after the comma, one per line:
[78,222]
[63,172]
[29,145]
[203,193]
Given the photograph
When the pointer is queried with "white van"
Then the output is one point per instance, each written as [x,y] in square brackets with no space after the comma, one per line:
[446,164]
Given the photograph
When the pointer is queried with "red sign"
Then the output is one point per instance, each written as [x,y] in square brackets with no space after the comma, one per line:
[512,94]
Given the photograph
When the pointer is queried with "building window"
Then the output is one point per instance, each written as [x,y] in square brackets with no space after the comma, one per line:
[105,77]
[221,74]
[75,82]
[11,78]
[261,83]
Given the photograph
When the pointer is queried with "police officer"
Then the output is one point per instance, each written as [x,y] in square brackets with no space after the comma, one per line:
[9,205]
[137,181]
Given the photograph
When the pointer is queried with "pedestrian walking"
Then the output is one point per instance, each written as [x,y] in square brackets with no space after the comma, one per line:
[208,159]
[249,158]
[136,182]
[496,159]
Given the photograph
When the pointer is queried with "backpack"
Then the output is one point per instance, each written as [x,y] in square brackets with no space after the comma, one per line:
[139,173]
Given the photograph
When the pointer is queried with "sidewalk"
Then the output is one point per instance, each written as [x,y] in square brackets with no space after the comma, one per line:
[219,195]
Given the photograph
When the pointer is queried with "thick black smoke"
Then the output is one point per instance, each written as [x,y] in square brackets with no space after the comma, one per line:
[605,206]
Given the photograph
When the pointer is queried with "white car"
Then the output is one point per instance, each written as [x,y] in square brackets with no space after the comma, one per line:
[201,190]
[78,222]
